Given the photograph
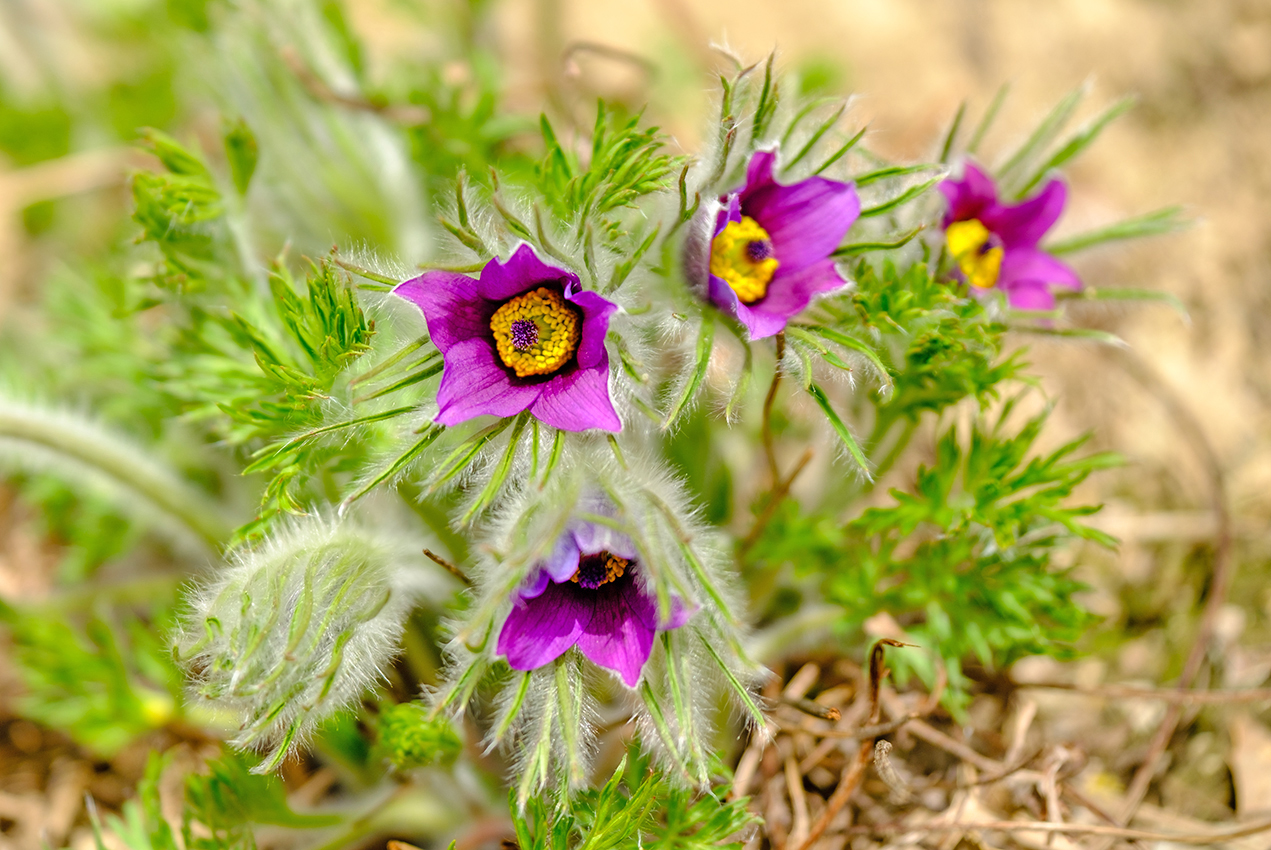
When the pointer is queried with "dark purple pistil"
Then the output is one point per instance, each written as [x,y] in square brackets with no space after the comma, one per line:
[994,241]
[758,250]
[524,334]
[591,570]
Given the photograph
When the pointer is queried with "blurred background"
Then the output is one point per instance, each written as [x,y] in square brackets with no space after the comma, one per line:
[1190,410]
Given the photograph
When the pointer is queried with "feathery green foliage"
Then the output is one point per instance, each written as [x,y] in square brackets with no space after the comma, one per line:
[103,684]
[625,163]
[635,805]
[221,808]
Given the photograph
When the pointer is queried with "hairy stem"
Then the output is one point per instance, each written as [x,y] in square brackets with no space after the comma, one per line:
[83,444]
[766,433]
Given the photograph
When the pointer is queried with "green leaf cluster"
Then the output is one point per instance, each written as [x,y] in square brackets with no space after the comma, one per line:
[298,343]
[940,345]
[635,807]
[104,685]
[466,131]
[626,163]
[220,809]
[409,738]
[965,560]
[180,211]
[229,800]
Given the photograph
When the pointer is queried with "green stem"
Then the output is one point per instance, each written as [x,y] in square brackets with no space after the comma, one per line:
[766,430]
[84,444]
[894,451]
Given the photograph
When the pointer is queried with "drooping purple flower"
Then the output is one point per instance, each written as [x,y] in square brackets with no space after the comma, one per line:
[995,244]
[523,336]
[588,593]
[771,245]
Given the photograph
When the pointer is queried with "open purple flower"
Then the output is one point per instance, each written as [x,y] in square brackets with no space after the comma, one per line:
[588,594]
[770,250]
[523,336]
[995,244]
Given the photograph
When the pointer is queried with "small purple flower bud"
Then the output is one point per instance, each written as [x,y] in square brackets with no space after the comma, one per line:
[758,250]
[524,334]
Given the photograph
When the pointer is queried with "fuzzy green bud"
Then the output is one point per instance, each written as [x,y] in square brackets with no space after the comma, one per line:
[409,738]
[295,630]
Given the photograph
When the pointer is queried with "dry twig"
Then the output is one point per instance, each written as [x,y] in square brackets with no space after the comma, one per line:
[855,771]
[448,567]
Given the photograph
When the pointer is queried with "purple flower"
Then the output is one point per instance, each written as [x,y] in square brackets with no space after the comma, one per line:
[995,244]
[521,337]
[770,250]
[588,593]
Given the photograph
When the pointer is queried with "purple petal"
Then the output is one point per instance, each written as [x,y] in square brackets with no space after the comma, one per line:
[616,637]
[791,291]
[539,630]
[1023,225]
[759,170]
[644,605]
[577,401]
[680,614]
[1030,295]
[758,325]
[593,538]
[723,297]
[728,213]
[451,305]
[473,383]
[535,585]
[970,196]
[1024,264]
[596,312]
[522,271]
[806,220]
[562,561]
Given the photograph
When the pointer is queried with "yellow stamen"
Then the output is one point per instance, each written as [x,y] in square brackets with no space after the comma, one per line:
[614,568]
[747,271]
[559,329]
[967,241]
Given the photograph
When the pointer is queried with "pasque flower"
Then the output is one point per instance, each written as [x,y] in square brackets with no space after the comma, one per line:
[522,336]
[587,593]
[995,244]
[771,248]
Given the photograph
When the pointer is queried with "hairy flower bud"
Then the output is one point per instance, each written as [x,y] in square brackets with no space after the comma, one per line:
[293,631]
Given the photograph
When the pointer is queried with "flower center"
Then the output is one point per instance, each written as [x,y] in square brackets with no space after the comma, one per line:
[600,569]
[536,333]
[742,256]
[977,251]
